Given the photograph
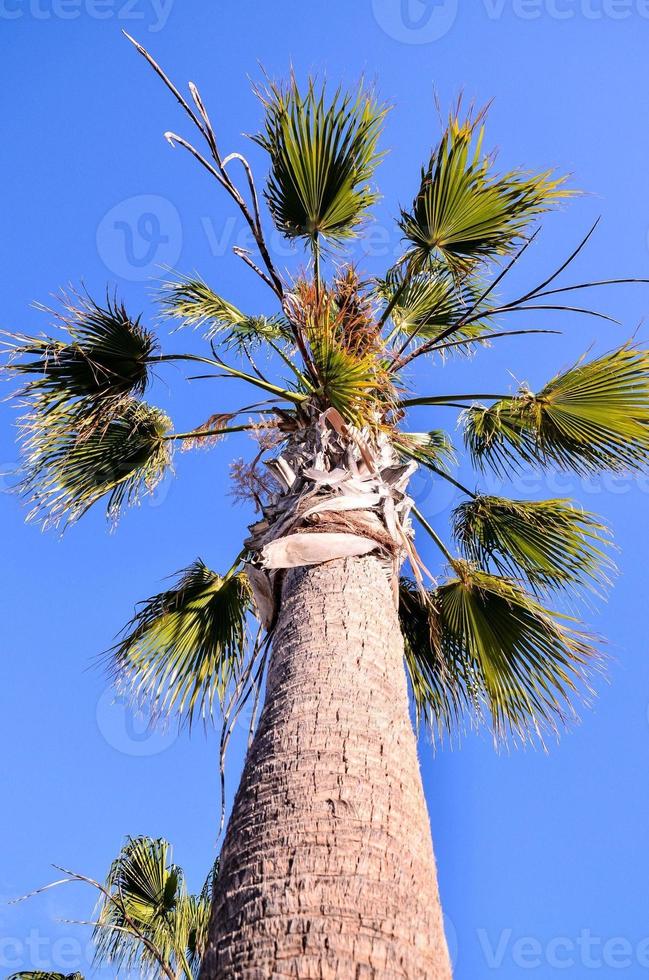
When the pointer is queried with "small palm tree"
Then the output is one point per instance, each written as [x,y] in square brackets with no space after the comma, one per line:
[327,865]
[145,918]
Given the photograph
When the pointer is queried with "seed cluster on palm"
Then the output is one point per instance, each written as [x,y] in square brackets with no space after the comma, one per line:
[329,413]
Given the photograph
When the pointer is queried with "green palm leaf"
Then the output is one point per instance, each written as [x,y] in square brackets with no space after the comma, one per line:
[147,896]
[193,301]
[464,212]
[44,975]
[347,382]
[322,156]
[70,465]
[185,645]
[432,449]
[550,542]
[431,302]
[105,356]
[593,417]
[436,685]
[503,652]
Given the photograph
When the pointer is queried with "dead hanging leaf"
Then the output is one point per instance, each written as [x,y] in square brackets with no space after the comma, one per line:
[214,422]
[361,501]
[251,483]
[262,591]
[267,435]
[313,549]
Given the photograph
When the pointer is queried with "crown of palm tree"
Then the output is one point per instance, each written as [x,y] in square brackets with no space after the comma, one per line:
[330,419]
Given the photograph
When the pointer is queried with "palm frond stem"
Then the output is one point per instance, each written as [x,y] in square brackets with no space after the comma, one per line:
[435,536]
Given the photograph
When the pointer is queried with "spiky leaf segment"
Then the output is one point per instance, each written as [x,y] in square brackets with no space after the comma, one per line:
[591,418]
[430,302]
[344,345]
[106,356]
[323,155]
[185,645]
[69,466]
[196,304]
[463,211]
[145,896]
[551,543]
[502,652]
[433,449]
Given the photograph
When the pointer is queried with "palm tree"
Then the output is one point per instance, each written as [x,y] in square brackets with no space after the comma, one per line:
[145,917]
[327,864]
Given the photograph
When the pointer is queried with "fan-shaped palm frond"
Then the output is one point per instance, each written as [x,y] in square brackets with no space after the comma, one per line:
[145,919]
[323,153]
[144,888]
[69,467]
[346,381]
[146,915]
[500,650]
[437,690]
[431,302]
[185,645]
[106,355]
[551,542]
[192,301]
[463,211]
[197,917]
[433,449]
[522,661]
[593,417]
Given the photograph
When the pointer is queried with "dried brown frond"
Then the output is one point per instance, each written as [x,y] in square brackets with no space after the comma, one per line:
[346,350]
[252,483]
[360,332]
[267,435]
[217,421]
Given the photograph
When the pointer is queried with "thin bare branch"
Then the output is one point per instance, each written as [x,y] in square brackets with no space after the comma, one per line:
[243,254]
[173,138]
[489,336]
[573,255]
[167,81]
[251,183]
[204,126]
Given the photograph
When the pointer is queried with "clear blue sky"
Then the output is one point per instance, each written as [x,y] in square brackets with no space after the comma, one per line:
[542,857]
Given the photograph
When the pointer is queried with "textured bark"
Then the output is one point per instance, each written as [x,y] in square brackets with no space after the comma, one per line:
[327,869]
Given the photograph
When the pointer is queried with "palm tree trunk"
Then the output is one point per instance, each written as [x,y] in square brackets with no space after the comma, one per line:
[327,868]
